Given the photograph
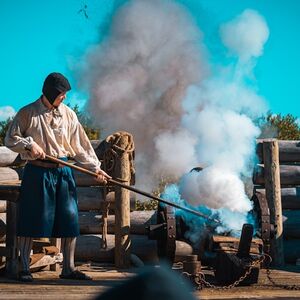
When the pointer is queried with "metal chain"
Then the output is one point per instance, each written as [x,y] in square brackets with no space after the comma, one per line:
[283,286]
[199,278]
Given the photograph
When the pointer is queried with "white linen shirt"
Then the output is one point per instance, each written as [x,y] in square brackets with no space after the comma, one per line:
[57,131]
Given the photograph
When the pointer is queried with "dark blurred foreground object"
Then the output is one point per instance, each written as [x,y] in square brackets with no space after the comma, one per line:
[152,284]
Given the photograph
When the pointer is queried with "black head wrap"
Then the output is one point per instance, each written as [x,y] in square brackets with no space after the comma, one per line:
[54,84]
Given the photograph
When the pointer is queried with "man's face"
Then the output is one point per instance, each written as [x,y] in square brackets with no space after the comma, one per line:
[59,99]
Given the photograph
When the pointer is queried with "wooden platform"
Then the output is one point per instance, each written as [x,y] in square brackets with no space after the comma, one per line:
[47,285]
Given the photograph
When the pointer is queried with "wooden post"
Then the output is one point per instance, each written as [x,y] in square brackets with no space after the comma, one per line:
[57,243]
[122,206]
[273,195]
[11,240]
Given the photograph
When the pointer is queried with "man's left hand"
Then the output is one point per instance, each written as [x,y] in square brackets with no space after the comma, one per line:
[102,176]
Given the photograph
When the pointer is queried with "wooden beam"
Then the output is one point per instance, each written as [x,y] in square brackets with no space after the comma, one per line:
[122,205]
[273,196]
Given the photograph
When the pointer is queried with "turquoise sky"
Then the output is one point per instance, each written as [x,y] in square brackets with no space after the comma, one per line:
[39,37]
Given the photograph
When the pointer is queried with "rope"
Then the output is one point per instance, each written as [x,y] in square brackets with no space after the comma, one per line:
[113,153]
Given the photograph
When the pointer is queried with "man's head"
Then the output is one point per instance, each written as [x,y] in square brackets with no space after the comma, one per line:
[55,87]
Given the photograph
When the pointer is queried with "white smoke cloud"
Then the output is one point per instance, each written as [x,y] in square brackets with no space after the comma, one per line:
[246,34]
[150,77]
[176,152]
[138,77]
[6,112]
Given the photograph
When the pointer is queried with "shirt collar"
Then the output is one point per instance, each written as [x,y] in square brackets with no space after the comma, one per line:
[44,108]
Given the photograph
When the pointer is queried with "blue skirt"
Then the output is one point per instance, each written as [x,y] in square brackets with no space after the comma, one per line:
[48,204]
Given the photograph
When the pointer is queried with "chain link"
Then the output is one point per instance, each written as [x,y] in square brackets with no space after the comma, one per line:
[199,278]
[282,286]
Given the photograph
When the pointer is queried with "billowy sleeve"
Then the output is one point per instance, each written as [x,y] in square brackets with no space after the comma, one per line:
[84,152]
[15,138]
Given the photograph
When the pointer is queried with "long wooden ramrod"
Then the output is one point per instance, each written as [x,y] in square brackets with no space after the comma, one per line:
[128,187]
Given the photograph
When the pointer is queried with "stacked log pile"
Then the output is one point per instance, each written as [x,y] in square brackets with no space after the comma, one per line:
[90,203]
[289,159]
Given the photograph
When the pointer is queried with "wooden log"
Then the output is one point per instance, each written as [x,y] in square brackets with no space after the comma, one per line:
[289,175]
[273,195]
[8,174]
[291,224]
[122,204]
[82,179]
[88,248]
[291,250]
[2,206]
[91,198]
[90,222]
[290,197]
[9,158]
[289,151]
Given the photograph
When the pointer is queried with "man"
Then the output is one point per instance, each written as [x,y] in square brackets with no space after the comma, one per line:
[48,202]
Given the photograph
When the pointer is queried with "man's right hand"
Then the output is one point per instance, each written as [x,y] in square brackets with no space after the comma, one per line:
[36,151]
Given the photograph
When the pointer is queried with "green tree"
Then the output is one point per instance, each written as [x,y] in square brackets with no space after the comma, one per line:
[287,126]
[92,131]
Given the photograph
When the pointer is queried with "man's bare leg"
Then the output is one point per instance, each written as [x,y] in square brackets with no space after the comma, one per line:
[25,246]
[68,250]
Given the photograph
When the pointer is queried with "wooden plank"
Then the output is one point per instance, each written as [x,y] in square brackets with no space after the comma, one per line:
[231,239]
[289,151]
[47,260]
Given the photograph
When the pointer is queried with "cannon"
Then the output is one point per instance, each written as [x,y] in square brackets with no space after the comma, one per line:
[169,228]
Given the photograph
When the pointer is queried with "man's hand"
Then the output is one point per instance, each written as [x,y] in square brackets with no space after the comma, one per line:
[102,177]
[36,151]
